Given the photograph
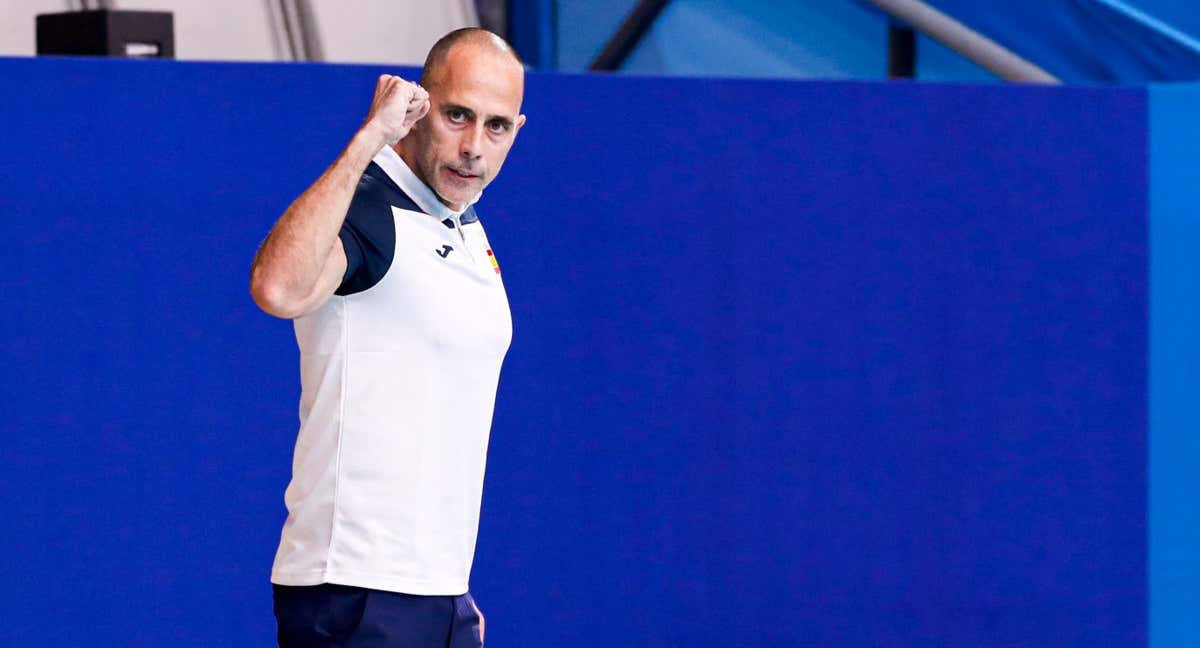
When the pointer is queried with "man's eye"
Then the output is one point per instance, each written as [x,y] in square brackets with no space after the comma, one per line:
[457,116]
[498,127]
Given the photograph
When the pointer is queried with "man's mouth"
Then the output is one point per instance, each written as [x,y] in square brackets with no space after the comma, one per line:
[465,175]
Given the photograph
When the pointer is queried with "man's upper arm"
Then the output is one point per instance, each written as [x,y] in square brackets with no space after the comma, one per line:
[363,250]
[368,238]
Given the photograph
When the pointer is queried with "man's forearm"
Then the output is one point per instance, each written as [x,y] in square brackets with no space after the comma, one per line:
[290,268]
[290,260]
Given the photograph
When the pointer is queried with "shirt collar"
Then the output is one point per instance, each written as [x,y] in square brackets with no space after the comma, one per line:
[393,165]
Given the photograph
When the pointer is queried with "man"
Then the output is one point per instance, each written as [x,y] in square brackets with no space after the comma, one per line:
[402,323]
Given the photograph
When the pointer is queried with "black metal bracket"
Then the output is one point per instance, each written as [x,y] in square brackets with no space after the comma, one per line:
[902,52]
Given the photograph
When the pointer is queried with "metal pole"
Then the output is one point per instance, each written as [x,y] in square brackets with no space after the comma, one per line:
[306,28]
[978,48]
[622,43]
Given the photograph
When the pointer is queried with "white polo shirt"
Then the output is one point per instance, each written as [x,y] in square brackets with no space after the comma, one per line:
[398,371]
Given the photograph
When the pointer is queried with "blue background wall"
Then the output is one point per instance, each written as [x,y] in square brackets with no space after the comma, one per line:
[793,362]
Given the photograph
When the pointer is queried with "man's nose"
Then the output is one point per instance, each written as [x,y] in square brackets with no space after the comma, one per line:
[471,145]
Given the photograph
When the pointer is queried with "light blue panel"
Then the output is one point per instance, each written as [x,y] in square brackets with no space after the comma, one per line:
[1174,508]
[1183,16]
[847,38]
[584,27]
[818,39]
[1084,41]
[826,39]
[936,62]
[532,32]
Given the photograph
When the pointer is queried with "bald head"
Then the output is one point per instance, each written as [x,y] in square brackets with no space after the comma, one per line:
[480,41]
[476,84]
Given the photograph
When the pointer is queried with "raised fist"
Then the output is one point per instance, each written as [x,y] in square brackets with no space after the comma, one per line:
[398,104]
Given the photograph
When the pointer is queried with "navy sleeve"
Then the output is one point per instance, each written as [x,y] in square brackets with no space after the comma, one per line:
[369,237]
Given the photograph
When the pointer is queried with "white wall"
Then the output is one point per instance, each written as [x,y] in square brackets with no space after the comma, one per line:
[217,30]
[16,24]
[364,31]
[400,31]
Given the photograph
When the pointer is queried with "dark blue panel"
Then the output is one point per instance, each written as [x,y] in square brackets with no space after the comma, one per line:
[793,363]
[151,409]
[802,363]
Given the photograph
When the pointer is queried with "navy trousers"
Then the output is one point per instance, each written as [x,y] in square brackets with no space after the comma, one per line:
[340,616]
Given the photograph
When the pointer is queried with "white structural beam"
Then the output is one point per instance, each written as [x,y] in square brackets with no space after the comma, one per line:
[980,49]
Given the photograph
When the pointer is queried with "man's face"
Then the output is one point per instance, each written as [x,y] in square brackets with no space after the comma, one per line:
[474,116]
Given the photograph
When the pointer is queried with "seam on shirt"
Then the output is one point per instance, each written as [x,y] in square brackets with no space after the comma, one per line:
[395,218]
[341,428]
[372,580]
[358,233]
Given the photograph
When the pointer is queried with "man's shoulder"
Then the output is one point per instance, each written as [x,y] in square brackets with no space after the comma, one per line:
[375,189]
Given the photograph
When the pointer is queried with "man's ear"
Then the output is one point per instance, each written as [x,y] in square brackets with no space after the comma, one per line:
[519,123]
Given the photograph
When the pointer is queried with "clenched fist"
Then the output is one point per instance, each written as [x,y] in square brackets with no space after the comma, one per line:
[398,104]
